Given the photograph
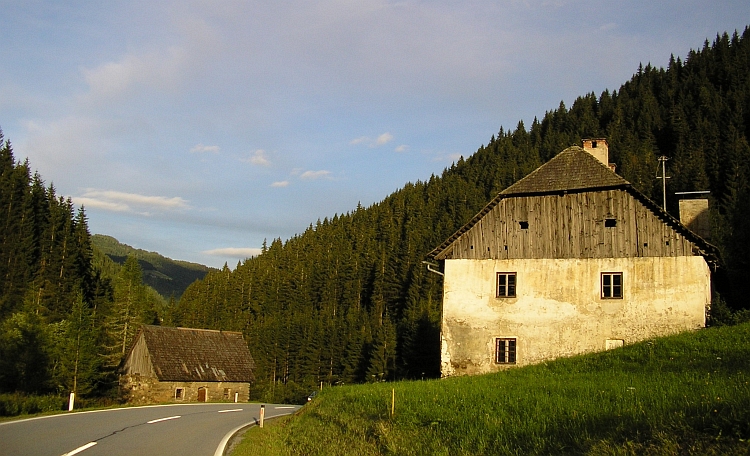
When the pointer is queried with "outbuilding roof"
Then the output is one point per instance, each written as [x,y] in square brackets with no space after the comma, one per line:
[187,354]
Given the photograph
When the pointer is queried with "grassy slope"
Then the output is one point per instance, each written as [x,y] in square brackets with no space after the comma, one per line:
[165,275]
[686,394]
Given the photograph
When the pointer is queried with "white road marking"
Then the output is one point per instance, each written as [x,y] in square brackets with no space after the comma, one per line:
[164,419]
[79,449]
[284,407]
[232,410]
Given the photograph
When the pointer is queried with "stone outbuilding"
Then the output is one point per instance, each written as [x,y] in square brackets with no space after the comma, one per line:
[568,260]
[187,365]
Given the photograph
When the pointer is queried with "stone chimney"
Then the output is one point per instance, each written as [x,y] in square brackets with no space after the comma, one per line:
[694,213]
[599,148]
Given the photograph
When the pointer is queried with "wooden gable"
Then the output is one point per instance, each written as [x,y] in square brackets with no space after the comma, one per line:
[572,207]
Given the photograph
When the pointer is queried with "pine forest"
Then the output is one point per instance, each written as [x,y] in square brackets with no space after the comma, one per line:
[350,299]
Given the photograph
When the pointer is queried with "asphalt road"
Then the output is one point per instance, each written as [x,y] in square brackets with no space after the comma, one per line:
[184,429]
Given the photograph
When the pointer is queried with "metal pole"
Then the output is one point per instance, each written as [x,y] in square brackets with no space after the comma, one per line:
[663,178]
[664,181]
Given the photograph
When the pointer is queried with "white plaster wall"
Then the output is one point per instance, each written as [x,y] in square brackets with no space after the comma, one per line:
[558,310]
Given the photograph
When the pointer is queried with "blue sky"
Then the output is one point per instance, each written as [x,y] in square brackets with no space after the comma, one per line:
[198,129]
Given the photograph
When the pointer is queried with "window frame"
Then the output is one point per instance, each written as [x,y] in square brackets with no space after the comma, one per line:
[509,290]
[179,393]
[509,350]
[608,288]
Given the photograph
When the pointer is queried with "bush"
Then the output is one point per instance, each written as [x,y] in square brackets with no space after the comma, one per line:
[283,393]
[721,315]
[22,404]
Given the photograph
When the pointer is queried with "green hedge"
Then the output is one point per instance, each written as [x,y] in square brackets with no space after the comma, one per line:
[22,404]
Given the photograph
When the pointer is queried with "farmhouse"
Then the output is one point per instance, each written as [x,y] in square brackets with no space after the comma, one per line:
[183,364]
[569,259]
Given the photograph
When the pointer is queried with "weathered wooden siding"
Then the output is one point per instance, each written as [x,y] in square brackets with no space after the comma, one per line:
[570,225]
[139,361]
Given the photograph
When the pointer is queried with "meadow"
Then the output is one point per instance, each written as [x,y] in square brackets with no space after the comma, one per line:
[684,394]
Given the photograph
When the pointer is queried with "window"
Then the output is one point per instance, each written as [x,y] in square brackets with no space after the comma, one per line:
[179,393]
[612,285]
[609,344]
[524,225]
[506,284]
[505,350]
[610,223]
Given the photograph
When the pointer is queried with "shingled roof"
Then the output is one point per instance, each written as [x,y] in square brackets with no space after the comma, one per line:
[570,170]
[188,355]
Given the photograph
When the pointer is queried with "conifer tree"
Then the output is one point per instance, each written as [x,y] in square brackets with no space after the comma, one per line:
[75,354]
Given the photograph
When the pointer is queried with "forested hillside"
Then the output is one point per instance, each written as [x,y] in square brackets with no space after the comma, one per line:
[349,300]
[65,319]
[167,276]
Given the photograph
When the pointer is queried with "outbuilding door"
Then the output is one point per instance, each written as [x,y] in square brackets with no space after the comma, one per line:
[201,394]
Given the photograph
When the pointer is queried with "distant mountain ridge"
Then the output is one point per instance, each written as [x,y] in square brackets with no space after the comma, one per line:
[168,277]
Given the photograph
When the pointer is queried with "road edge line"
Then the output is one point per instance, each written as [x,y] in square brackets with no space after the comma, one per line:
[223,444]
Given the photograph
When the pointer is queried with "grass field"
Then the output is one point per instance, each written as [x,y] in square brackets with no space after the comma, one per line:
[686,394]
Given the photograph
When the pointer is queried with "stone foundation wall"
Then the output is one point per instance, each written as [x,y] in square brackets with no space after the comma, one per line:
[145,390]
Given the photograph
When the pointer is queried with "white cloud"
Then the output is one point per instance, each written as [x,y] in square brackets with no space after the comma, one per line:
[162,67]
[312,175]
[234,252]
[360,140]
[385,138]
[111,200]
[449,158]
[258,158]
[200,148]
[100,204]
[159,70]
[280,184]
[402,148]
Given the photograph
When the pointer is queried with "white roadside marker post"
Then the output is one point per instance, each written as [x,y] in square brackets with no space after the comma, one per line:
[262,414]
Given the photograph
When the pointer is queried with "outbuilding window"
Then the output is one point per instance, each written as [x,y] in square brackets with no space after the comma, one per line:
[506,284]
[505,350]
[179,393]
[611,285]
